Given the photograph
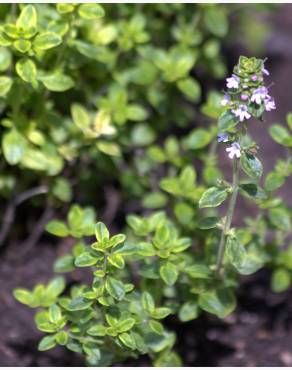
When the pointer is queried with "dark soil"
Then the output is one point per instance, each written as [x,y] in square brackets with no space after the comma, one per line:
[259,333]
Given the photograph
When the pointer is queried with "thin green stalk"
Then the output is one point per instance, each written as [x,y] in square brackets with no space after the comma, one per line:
[229,216]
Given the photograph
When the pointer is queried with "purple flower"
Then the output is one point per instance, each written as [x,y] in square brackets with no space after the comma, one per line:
[254,78]
[241,112]
[233,82]
[265,71]
[222,138]
[234,150]
[226,100]
[243,96]
[259,95]
[269,104]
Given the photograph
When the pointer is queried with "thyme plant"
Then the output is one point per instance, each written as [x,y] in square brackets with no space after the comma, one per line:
[179,259]
[89,95]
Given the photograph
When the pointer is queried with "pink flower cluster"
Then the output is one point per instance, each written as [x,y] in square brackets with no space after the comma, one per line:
[241,105]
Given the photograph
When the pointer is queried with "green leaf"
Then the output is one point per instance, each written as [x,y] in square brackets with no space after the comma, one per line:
[5,59]
[11,31]
[188,311]
[57,228]
[169,273]
[220,303]
[79,304]
[55,314]
[47,343]
[213,197]
[197,139]
[91,11]
[80,116]
[56,287]
[85,259]
[13,145]
[156,326]
[60,27]
[128,340]
[75,217]
[160,313]
[116,260]
[281,280]
[27,19]
[216,21]
[47,40]
[125,325]
[115,288]
[227,120]
[170,185]
[107,34]
[117,239]
[22,45]
[181,244]
[251,166]
[142,135]
[138,113]
[64,263]
[62,338]
[281,135]
[161,236]
[23,295]
[246,262]
[273,181]
[108,148]
[97,330]
[235,252]
[168,359]
[26,70]
[57,82]
[41,160]
[64,8]
[208,223]
[5,85]
[280,218]
[190,88]
[187,178]
[147,302]
[154,200]
[101,232]
[62,189]
[198,271]
[184,213]
[93,353]
[253,191]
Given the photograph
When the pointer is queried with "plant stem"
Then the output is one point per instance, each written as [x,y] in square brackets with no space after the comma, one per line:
[229,216]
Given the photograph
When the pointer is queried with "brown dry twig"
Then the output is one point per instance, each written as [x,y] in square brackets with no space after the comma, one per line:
[9,213]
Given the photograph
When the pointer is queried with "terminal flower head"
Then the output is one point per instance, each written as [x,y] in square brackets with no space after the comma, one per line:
[233,150]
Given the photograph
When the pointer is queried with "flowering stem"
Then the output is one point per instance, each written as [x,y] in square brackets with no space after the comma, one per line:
[229,216]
